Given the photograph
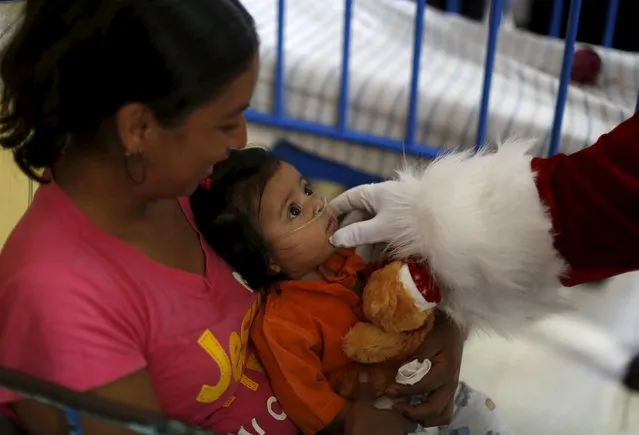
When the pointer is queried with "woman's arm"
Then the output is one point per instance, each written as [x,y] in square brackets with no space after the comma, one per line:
[134,390]
[65,332]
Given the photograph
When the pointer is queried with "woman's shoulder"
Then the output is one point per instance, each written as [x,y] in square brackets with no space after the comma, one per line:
[51,228]
[44,238]
[55,253]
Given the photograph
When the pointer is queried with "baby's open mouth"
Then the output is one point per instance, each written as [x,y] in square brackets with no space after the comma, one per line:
[332,224]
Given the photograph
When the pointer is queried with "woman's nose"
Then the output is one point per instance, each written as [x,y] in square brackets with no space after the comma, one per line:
[236,145]
[239,137]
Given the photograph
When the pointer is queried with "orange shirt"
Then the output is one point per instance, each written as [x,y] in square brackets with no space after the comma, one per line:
[298,335]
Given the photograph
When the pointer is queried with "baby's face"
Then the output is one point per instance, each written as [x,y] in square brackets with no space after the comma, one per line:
[294,222]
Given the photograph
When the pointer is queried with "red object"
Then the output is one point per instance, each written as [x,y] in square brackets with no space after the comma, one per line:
[424,281]
[586,66]
[419,272]
[206,184]
[593,200]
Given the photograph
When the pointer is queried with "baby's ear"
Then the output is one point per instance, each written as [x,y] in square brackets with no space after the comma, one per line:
[274,269]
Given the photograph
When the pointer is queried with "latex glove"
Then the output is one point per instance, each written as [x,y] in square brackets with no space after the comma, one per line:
[352,217]
[370,253]
[375,200]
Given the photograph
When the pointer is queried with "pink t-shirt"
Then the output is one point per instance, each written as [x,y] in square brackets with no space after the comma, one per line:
[80,308]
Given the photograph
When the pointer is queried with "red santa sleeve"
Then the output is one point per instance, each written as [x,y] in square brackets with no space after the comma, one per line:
[503,230]
[593,201]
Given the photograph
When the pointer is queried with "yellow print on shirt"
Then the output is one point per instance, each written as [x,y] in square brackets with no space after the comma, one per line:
[231,367]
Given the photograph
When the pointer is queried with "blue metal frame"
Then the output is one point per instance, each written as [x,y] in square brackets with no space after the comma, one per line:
[564,81]
[341,131]
[411,120]
[72,403]
[342,110]
[315,168]
[496,8]
[279,63]
[555,19]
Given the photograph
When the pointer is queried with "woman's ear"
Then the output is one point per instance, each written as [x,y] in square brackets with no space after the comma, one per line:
[135,126]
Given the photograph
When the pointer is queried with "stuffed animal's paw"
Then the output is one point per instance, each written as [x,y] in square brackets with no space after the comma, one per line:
[366,343]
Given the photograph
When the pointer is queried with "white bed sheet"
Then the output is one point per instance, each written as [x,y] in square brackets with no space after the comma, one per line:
[525,79]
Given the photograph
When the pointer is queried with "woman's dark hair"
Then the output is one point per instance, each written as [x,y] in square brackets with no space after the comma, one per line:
[72,63]
[226,213]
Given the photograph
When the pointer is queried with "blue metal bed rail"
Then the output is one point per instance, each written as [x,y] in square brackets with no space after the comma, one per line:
[341,131]
[74,403]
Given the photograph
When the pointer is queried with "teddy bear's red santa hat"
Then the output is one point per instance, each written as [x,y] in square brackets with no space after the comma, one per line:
[419,283]
[417,279]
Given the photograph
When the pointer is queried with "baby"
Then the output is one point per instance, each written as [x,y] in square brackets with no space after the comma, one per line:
[263,218]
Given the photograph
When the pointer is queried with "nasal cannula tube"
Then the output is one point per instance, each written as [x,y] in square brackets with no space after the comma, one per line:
[318,214]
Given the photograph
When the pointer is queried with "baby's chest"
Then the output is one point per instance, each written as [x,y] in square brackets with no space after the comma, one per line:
[333,318]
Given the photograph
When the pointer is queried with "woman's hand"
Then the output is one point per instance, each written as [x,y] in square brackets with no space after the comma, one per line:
[443,346]
[362,418]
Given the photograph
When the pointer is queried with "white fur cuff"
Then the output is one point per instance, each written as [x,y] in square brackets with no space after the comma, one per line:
[478,221]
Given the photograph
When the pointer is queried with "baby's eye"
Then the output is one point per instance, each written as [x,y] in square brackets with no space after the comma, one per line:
[308,190]
[294,211]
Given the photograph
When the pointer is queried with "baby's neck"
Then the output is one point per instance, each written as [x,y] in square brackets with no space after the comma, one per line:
[314,275]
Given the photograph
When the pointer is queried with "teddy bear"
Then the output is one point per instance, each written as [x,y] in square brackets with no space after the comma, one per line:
[398,301]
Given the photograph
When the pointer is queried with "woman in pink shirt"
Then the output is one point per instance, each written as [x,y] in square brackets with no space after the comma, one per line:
[119,108]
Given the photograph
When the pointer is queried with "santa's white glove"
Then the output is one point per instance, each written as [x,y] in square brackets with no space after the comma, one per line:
[374,200]
[370,253]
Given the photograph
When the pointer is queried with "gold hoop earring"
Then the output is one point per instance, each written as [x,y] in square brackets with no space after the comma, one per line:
[135,167]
